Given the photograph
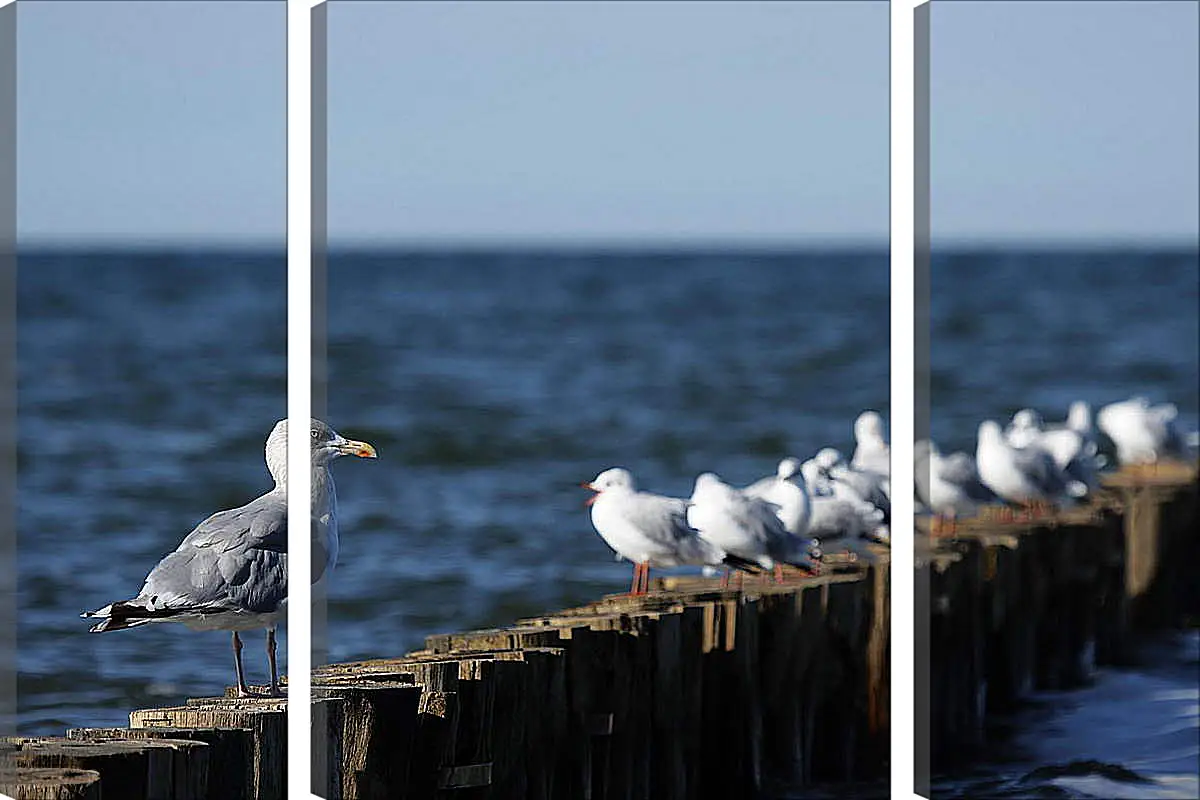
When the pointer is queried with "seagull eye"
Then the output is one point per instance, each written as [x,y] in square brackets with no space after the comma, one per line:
[315,433]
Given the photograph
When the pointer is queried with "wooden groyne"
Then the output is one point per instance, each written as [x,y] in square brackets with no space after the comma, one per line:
[685,692]
[1017,606]
[692,691]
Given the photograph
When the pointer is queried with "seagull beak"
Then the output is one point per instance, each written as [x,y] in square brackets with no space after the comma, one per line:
[593,498]
[350,447]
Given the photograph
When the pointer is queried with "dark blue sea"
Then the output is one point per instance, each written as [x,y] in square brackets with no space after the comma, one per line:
[147,384]
[1042,329]
[1016,329]
[492,384]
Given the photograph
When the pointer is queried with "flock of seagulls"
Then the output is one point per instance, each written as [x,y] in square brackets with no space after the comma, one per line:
[230,572]
[780,519]
[1035,466]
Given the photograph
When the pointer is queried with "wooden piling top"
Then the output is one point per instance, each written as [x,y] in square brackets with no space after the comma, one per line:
[1002,526]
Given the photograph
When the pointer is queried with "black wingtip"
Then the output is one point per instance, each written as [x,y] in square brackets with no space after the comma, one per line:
[740,563]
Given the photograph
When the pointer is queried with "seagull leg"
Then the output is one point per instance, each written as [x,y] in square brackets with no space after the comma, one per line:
[778,573]
[637,571]
[725,580]
[243,690]
[646,578]
[274,690]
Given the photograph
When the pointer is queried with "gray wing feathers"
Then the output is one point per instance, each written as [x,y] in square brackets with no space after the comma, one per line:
[234,560]
[959,469]
[781,544]
[664,520]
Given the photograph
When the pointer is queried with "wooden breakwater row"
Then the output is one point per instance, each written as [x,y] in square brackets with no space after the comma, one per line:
[1020,605]
[687,692]
[692,691]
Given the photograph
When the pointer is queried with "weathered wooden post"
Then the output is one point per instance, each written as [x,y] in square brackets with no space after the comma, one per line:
[35,783]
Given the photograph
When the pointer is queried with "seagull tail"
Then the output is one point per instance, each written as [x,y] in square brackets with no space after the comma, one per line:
[124,614]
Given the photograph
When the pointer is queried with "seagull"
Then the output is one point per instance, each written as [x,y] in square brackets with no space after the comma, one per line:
[745,526]
[787,490]
[871,453]
[230,572]
[1023,475]
[949,486]
[849,482]
[1025,428]
[1143,434]
[1073,447]
[649,529]
[835,515]
[1079,419]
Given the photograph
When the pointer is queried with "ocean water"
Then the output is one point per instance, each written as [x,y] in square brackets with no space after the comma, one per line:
[1020,329]
[492,384]
[1133,734]
[1041,329]
[147,384]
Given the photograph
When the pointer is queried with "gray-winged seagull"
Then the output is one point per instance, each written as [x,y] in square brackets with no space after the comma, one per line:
[230,573]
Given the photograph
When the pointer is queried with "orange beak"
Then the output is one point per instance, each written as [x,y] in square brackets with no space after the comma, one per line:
[591,499]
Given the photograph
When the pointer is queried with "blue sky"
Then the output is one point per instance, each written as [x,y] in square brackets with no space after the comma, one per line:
[585,121]
[1065,121]
[151,121]
[741,122]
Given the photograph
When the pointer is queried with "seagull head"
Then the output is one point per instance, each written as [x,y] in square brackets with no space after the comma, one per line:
[788,468]
[708,485]
[616,478]
[990,433]
[828,457]
[868,427]
[812,472]
[326,444]
[1027,419]
[1079,417]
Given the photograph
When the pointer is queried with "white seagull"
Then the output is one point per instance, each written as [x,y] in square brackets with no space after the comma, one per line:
[787,490]
[949,486]
[839,512]
[745,526]
[1022,475]
[648,529]
[871,452]
[851,483]
[1142,433]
